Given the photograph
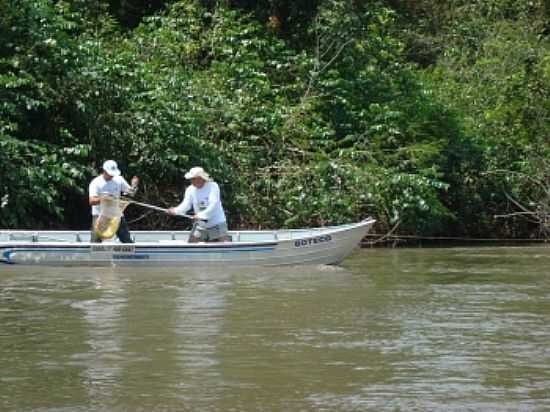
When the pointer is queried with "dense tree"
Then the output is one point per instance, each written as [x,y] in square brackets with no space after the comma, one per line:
[40,160]
[305,112]
[492,74]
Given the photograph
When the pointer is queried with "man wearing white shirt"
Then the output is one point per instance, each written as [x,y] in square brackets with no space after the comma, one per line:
[110,183]
[203,195]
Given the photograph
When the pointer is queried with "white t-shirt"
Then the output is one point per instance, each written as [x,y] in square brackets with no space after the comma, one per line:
[206,203]
[114,187]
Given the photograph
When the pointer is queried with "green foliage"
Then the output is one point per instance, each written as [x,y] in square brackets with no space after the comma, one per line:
[496,84]
[306,113]
[33,179]
[39,159]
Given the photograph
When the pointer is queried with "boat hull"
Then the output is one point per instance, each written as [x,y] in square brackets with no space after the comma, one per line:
[169,249]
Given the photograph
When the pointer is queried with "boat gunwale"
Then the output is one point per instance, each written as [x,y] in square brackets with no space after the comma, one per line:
[305,233]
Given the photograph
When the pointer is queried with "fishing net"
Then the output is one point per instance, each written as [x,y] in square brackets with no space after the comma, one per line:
[108,221]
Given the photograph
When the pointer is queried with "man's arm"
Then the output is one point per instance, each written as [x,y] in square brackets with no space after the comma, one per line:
[94,200]
[127,189]
[93,196]
[184,206]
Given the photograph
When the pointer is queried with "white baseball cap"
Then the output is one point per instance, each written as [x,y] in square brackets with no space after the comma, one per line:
[111,168]
[197,172]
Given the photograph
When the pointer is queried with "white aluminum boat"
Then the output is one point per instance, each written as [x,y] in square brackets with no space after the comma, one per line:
[324,245]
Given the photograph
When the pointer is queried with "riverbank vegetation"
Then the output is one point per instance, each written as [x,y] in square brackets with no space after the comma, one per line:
[427,116]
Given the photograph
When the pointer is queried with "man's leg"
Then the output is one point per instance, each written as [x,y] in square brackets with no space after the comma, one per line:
[198,233]
[94,238]
[123,233]
[218,233]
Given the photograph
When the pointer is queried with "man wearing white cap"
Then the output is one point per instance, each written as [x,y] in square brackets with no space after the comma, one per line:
[110,183]
[203,195]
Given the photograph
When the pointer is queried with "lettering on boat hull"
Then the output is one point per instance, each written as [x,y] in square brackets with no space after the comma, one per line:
[312,240]
[134,257]
[99,248]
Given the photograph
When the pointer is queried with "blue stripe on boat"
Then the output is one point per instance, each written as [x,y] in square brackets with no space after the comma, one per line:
[164,250]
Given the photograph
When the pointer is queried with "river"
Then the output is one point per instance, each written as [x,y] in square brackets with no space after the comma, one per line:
[449,329]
